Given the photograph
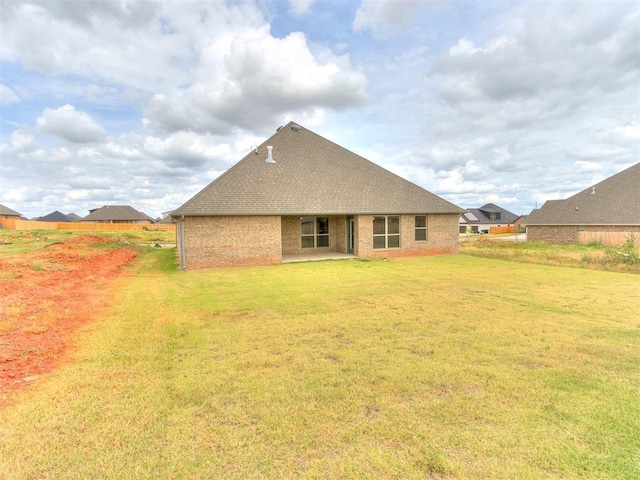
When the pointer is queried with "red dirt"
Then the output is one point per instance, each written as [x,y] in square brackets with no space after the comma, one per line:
[45,297]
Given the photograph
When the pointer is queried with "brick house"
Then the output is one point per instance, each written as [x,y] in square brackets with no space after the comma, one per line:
[6,212]
[607,212]
[299,193]
[480,220]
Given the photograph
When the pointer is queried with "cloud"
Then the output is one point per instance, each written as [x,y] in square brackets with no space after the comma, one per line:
[257,80]
[7,95]
[21,141]
[382,15]
[70,124]
[146,46]
[629,132]
[300,8]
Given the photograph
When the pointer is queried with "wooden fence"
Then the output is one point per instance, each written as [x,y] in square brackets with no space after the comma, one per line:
[494,230]
[16,224]
[608,239]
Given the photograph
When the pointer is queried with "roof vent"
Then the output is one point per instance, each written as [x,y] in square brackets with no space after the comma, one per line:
[593,190]
[297,128]
[269,158]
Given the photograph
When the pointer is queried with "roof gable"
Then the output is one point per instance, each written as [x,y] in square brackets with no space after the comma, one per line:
[309,175]
[115,213]
[614,201]
[55,217]
[8,212]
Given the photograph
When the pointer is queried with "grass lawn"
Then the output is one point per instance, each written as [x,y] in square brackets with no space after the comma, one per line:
[448,366]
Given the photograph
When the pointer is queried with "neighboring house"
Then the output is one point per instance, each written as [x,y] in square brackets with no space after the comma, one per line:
[607,212]
[116,214]
[55,217]
[74,217]
[480,220]
[299,193]
[166,218]
[520,224]
[6,212]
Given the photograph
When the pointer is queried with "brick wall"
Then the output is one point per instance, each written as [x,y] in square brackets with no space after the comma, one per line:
[442,236]
[291,243]
[557,234]
[231,241]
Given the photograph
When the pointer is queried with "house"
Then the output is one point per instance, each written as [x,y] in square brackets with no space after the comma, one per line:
[480,220]
[6,212]
[55,217]
[116,214]
[607,212]
[520,225]
[299,193]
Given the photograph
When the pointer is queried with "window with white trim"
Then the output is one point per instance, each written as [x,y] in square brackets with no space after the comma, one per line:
[386,231]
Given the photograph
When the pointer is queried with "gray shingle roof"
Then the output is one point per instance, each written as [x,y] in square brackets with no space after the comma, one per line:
[8,212]
[481,215]
[614,201]
[311,175]
[55,216]
[118,213]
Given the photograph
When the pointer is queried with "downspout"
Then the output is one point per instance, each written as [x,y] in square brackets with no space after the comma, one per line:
[181,248]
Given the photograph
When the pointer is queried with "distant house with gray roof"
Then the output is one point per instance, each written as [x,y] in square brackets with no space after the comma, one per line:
[480,220]
[607,212]
[299,193]
[117,214]
[55,216]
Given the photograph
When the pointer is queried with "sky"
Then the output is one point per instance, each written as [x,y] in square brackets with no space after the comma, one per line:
[143,103]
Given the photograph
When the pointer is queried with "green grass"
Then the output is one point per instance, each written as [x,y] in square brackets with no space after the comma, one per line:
[448,366]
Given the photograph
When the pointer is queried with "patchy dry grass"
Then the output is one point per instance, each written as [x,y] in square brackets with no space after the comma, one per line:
[449,366]
[582,256]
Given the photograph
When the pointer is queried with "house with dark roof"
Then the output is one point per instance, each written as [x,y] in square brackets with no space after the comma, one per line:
[607,212]
[116,214]
[480,220]
[301,194]
[55,216]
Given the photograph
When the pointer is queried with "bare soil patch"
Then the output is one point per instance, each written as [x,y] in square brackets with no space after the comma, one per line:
[45,296]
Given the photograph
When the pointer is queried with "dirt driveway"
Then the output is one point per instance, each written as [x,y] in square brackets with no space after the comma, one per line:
[45,296]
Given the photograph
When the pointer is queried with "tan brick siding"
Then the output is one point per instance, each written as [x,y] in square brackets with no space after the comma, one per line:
[560,235]
[237,241]
[292,244]
[231,241]
[442,236]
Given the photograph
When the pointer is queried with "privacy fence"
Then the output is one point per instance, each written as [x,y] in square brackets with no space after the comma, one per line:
[15,224]
[608,239]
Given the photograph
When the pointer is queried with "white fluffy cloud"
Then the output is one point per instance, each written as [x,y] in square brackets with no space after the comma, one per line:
[70,124]
[254,80]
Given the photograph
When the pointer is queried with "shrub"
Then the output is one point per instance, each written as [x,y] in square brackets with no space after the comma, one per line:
[627,253]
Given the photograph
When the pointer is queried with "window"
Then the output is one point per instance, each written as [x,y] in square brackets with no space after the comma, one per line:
[421,228]
[314,232]
[494,216]
[386,231]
